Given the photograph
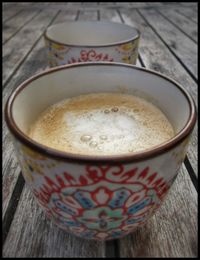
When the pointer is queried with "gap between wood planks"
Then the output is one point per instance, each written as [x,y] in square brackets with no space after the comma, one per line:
[12,206]
[187,15]
[18,29]
[174,24]
[112,249]
[12,16]
[163,41]
[27,54]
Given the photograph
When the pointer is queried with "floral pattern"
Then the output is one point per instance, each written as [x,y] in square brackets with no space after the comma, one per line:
[90,55]
[129,51]
[59,54]
[99,202]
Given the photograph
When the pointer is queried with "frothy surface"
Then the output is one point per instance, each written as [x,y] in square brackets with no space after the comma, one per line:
[102,124]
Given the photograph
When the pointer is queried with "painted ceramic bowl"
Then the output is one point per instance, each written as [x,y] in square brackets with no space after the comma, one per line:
[86,41]
[99,197]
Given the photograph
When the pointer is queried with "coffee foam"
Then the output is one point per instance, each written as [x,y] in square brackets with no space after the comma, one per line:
[102,124]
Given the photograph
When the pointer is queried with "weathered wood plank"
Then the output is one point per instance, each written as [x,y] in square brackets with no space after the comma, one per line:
[136,5]
[172,231]
[9,13]
[16,50]
[13,26]
[24,5]
[183,47]
[33,235]
[11,168]
[155,54]
[36,62]
[184,24]
[110,15]
[189,4]
[87,15]
[66,15]
[190,13]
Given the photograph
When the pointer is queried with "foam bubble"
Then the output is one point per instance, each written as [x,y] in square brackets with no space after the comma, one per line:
[106,111]
[93,144]
[86,138]
[103,137]
[100,148]
[114,109]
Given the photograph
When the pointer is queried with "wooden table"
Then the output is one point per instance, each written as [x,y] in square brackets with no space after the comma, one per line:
[169,45]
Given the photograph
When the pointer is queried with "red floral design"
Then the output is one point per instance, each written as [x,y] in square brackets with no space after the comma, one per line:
[90,55]
[104,201]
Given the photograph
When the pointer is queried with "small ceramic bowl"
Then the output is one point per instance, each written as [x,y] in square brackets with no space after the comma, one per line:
[99,197]
[86,41]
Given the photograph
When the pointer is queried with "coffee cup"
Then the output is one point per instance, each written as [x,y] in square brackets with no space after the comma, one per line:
[99,197]
[85,41]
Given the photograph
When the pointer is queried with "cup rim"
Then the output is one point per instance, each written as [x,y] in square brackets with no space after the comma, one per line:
[47,37]
[111,159]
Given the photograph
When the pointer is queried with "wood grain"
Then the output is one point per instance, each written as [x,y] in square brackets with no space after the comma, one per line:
[172,231]
[184,24]
[11,27]
[10,12]
[11,168]
[87,15]
[110,15]
[15,51]
[156,56]
[181,46]
[190,13]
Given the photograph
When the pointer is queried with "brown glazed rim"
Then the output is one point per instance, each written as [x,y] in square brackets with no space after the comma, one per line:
[110,159]
[97,45]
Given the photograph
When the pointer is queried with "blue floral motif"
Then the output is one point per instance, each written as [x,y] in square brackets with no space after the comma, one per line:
[70,223]
[59,204]
[119,198]
[84,200]
[134,220]
[138,206]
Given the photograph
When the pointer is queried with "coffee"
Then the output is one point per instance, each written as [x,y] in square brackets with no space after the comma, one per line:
[102,124]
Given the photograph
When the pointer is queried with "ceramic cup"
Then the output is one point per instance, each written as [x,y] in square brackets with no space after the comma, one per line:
[86,41]
[99,197]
